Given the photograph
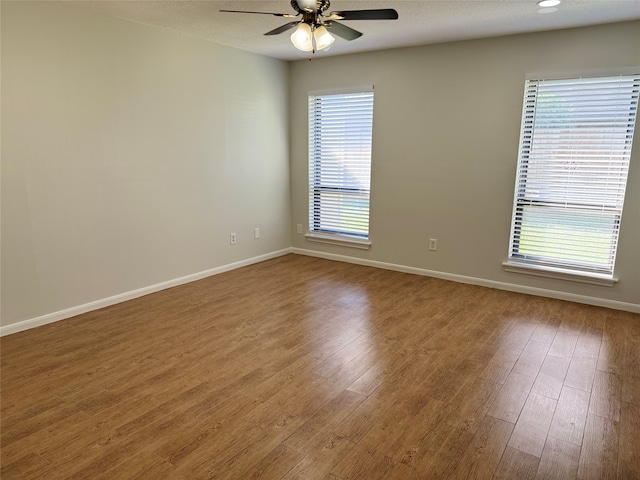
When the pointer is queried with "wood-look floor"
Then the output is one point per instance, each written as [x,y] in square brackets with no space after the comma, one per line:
[302,368]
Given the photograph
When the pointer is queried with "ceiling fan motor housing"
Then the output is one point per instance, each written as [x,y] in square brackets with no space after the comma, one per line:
[305,6]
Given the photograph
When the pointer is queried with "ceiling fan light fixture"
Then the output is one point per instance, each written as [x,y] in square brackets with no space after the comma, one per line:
[302,38]
[322,37]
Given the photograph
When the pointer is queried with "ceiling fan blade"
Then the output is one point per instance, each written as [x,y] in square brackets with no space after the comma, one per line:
[283,28]
[286,15]
[376,14]
[343,31]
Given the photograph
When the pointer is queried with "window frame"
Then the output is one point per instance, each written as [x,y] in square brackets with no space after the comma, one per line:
[549,266]
[315,182]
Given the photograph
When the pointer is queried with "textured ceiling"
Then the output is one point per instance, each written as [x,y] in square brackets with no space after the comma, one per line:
[420,22]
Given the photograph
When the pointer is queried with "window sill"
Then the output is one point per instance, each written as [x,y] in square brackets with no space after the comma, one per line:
[341,240]
[560,273]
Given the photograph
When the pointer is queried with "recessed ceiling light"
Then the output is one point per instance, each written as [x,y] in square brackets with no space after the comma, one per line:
[548,3]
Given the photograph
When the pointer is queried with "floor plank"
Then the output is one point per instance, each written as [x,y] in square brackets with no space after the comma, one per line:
[570,416]
[629,448]
[581,371]
[559,460]
[550,379]
[530,432]
[517,464]
[606,395]
[513,394]
[631,389]
[482,456]
[599,454]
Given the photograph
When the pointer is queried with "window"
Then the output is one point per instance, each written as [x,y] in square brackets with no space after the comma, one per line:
[340,128]
[575,148]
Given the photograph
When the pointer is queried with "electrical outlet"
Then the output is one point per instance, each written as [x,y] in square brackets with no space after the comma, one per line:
[433,244]
[232,239]
[256,233]
[299,228]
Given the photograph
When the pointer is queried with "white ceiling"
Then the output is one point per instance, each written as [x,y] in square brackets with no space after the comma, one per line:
[421,21]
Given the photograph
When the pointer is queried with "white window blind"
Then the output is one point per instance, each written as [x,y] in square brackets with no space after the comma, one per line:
[340,129]
[575,148]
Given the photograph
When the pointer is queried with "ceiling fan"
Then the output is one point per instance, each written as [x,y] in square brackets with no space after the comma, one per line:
[312,32]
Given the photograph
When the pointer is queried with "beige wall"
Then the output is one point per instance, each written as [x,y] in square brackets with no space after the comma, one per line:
[445,140]
[129,154]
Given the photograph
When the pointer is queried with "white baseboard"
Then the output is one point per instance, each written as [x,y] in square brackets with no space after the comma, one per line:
[540,292]
[123,297]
